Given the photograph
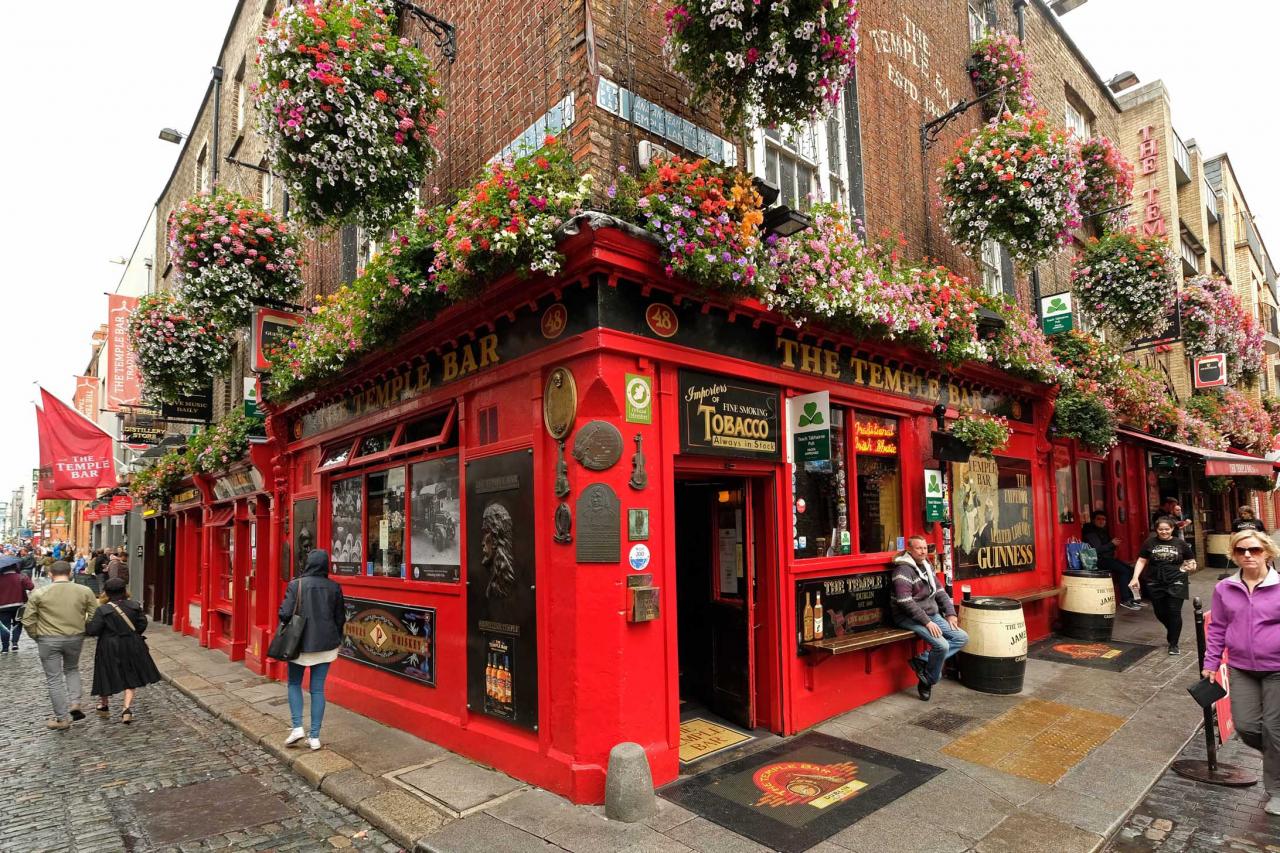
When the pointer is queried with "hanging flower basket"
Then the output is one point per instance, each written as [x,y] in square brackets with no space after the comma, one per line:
[1240,419]
[1214,320]
[707,218]
[228,252]
[221,445]
[1014,181]
[766,62]
[1001,75]
[1020,347]
[1125,281]
[1108,182]
[984,434]
[949,448]
[177,350]
[154,486]
[349,111]
[1086,417]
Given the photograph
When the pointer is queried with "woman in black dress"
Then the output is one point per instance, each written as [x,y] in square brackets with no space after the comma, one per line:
[122,661]
[1167,562]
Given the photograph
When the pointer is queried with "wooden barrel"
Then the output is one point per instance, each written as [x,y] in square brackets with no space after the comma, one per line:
[995,658]
[1087,609]
[1218,546]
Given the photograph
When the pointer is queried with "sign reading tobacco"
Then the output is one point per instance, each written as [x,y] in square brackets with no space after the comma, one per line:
[724,416]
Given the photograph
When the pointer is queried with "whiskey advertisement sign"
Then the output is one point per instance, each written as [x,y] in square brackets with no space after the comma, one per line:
[398,639]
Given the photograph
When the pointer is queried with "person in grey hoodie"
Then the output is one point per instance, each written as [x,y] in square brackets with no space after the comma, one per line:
[920,605]
[320,600]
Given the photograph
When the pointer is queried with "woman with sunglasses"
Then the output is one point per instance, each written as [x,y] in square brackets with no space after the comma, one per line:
[1170,562]
[1246,623]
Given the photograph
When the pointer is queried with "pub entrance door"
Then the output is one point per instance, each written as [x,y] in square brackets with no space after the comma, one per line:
[720,551]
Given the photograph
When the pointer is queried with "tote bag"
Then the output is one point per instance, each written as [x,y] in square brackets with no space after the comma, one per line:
[286,645]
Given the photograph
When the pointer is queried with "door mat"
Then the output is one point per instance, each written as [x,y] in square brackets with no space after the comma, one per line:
[1111,655]
[172,815]
[702,738]
[795,795]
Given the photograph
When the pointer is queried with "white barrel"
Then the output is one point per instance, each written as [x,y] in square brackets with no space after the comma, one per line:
[995,658]
[1087,608]
[1218,546]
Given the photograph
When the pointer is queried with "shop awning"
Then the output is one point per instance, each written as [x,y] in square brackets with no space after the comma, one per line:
[1217,463]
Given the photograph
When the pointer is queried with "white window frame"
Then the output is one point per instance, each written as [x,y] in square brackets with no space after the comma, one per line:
[992,269]
[202,169]
[978,27]
[1075,121]
[267,186]
[807,146]
[366,248]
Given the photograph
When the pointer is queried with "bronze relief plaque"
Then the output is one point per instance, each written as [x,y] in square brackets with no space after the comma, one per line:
[598,446]
[559,402]
[599,525]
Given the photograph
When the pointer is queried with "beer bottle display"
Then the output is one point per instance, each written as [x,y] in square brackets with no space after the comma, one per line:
[817,616]
[808,617]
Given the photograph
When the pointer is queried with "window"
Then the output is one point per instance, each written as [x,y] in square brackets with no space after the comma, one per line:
[879,494]
[435,520]
[1091,488]
[820,494]
[978,19]
[385,557]
[806,163]
[267,186]
[1077,118]
[224,548]
[366,248]
[336,454]
[375,442]
[1066,492]
[241,98]
[202,169]
[992,269]
[346,501]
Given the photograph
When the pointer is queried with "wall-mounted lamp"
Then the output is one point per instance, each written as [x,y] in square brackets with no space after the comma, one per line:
[168,134]
[1122,81]
[1062,7]
[784,221]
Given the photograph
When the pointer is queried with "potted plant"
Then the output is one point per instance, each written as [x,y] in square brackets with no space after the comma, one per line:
[1214,320]
[1125,281]
[1108,182]
[1085,416]
[982,434]
[177,349]
[1001,75]
[766,63]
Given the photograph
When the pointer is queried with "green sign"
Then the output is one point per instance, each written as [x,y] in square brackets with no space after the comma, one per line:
[639,393]
[935,504]
[251,409]
[1055,313]
[810,416]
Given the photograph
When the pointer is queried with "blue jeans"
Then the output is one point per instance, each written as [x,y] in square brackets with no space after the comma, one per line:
[940,648]
[10,629]
[319,673]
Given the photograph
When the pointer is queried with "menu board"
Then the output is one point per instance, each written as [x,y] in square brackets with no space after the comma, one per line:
[853,602]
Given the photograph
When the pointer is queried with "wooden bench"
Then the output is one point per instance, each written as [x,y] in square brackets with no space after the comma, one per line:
[1034,594]
[820,651]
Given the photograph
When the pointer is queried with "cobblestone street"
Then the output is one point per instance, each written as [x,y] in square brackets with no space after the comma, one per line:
[103,786]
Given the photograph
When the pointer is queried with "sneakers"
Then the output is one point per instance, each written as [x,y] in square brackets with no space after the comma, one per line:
[295,736]
[314,743]
[77,715]
[58,725]
[1273,805]
[1131,605]
[1174,650]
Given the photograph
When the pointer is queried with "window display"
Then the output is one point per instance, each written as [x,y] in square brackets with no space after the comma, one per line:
[385,516]
[346,514]
[879,483]
[820,494]
[434,520]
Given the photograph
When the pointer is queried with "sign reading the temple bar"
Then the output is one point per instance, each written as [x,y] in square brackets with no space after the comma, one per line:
[725,416]
[836,606]
[994,517]
[502,639]
[398,639]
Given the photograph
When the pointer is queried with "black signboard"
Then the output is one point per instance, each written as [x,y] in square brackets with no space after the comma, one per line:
[993,516]
[1172,331]
[726,416]
[502,638]
[845,604]
[138,433]
[194,407]
[398,639]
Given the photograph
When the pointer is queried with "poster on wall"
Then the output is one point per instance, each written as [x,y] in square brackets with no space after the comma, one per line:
[398,639]
[841,605]
[435,520]
[994,517]
[502,638]
[345,505]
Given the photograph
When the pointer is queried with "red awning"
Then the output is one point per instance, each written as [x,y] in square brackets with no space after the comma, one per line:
[221,515]
[1217,463]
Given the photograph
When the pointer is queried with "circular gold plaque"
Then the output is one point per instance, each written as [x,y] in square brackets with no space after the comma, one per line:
[559,402]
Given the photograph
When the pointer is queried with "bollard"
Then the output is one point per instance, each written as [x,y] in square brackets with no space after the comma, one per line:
[1210,771]
[628,785]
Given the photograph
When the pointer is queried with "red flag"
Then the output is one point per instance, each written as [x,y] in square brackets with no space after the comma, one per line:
[76,458]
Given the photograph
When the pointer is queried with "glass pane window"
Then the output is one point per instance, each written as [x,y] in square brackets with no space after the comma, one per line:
[820,495]
[346,503]
[1076,122]
[385,520]
[429,427]
[992,277]
[225,548]
[1066,494]
[879,479]
[435,520]
[336,455]
[375,443]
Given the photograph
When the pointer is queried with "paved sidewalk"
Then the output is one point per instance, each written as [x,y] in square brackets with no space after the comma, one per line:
[1056,768]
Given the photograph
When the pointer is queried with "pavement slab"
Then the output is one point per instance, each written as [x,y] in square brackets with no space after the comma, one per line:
[482,832]
[1028,832]
[459,784]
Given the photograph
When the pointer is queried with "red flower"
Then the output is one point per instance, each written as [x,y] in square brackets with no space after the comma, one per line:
[380,96]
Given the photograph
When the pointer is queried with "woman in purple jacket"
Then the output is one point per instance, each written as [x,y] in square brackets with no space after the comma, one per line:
[1246,623]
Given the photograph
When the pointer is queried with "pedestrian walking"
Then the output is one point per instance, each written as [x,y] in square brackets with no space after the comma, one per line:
[100,561]
[15,587]
[56,616]
[118,568]
[122,662]
[320,601]
[1246,623]
[1247,519]
[1170,562]
[26,562]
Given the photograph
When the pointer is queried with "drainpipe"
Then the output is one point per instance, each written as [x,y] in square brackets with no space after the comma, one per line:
[217,123]
[1019,9]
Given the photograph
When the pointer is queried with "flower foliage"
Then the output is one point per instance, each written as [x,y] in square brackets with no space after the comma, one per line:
[984,434]
[1001,74]
[223,444]
[177,350]
[706,217]
[767,63]
[227,251]
[1125,281]
[1016,181]
[1108,181]
[155,485]
[1084,416]
[348,109]
[1240,419]
[1021,348]
[1186,426]
[507,220]
[1214,320]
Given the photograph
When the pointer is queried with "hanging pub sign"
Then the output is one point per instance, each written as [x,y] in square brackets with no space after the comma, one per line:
[994,517]
[195,408]
[270,327]
[502,637]
[935,508]
[1211,370]
[398,639]
[725,416]
[809,416]
[1055,313]
[141,432]
[121,504]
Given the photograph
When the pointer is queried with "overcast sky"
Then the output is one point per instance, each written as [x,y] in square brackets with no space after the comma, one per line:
[91,83]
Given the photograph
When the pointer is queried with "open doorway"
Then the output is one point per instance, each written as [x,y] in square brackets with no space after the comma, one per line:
[720,554]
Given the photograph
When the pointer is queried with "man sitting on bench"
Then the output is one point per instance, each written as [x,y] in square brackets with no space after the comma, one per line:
[920,605]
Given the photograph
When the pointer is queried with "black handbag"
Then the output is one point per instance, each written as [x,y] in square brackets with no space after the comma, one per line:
[1206,692]
[286,645]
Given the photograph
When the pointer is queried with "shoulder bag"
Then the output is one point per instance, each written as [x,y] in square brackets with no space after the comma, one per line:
[286,645]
